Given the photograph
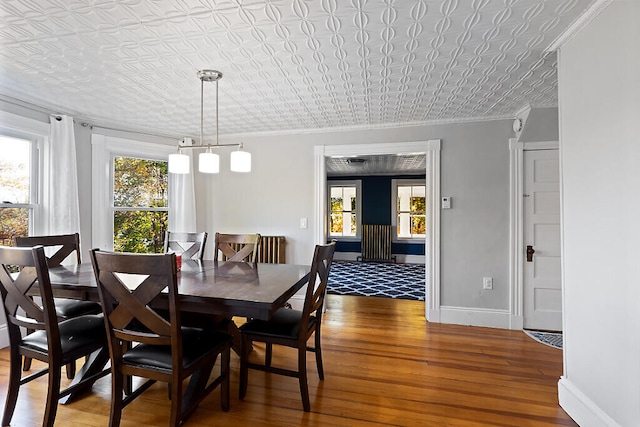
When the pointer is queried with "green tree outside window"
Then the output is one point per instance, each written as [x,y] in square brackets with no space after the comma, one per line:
[140,200]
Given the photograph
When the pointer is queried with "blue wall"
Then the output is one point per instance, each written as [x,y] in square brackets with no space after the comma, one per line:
[376,209]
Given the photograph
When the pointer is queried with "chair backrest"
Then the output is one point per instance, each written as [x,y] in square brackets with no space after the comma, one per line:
[20,270]
[125,299]
[189,245]
[237,247]
[317,286]
[68,243]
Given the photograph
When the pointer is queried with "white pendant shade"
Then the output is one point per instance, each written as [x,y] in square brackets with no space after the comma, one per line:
[240,161]
[209,163]
[178,163]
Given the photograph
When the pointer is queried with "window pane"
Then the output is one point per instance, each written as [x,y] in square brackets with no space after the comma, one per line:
[139,231]
[404,198]
[139,183]
[418,204]
[336,224]
[349,198]
[418,225]
[15,170]
[418,191]
[13,222]
[348,218]
[404,224]
[336,204]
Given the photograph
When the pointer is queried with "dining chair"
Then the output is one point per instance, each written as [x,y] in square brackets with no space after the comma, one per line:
[291,328]
[237,247]
[52,342]
[189,245]
[143,343]
[63,247]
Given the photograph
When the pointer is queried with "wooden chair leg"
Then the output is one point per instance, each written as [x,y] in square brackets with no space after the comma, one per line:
[244,369]
[268,354]
[117,384]
[71,370]
[176,404]
[224,386]
[318,352]
[27,360]
[302,376]
[52,395]
[13,388]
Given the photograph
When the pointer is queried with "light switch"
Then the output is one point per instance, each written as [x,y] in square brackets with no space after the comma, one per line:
[303,222]
[446,202]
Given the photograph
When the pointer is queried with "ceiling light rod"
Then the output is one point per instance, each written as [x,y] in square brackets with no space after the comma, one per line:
[208,161]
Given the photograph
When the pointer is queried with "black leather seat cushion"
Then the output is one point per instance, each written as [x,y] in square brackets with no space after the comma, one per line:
[75,333]
[284,323]
[195,342]
[68,308]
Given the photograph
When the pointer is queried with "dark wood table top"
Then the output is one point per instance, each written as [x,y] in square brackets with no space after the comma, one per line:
[225,288]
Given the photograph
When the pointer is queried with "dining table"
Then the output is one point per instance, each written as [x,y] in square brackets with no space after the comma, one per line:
[252,290]
[227,289]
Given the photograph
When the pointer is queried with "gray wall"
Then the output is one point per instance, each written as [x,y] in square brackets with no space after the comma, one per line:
[280,189]
[599,153]
[475,172]
[541,125]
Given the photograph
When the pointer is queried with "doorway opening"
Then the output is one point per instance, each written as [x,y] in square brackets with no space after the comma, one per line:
[431,149]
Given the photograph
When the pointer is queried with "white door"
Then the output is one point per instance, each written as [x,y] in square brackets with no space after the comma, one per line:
[541,203]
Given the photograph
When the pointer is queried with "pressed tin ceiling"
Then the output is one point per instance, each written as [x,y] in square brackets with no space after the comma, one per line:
[288,66]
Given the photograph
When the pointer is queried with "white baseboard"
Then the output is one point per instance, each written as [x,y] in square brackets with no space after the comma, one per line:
[403,259]
[579,407]
[517,323]
[475,317]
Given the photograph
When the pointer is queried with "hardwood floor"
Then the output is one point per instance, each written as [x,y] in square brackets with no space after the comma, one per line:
[384,365]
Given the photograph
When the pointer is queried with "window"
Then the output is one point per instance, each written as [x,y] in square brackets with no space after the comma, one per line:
[18,187]
[409,206]
[130,194]
[345,211]
[140,204]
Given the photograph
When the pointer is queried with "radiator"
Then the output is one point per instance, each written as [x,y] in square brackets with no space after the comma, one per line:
[376,243]
[271,249]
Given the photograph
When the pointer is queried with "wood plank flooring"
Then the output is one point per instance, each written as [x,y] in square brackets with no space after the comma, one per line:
[384,366]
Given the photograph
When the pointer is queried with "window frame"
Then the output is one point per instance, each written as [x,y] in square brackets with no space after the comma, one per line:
[37,134]
[357,183]
[395,183]
[104,150]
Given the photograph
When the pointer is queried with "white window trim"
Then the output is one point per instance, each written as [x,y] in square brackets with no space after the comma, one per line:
[394,208]
[37,132]
[347,183]
[103,150]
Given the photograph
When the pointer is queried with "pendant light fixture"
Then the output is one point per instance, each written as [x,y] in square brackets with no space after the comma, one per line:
[208,161]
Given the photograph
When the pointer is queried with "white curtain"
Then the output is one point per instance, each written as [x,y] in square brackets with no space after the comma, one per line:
[60,201]
[182,201]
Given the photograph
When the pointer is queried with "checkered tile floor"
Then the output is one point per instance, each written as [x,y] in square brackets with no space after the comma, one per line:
[403,281]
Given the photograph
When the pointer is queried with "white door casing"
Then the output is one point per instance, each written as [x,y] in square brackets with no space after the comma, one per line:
[517,245]
[432,173]
[542,269]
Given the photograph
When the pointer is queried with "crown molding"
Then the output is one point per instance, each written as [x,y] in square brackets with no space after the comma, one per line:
[577,25]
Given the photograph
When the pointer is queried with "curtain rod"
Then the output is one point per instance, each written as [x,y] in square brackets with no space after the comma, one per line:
[79,120]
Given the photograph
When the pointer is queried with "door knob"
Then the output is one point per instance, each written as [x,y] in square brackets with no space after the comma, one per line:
[530,252]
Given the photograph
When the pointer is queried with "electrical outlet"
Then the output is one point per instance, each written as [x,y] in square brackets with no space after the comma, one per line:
[487,283]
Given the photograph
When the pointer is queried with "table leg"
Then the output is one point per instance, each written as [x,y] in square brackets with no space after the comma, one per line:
[91,371]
